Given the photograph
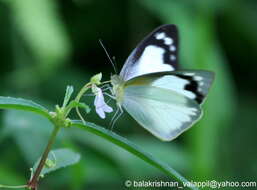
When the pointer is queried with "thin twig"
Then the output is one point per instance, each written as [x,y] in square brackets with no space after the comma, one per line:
[33,183]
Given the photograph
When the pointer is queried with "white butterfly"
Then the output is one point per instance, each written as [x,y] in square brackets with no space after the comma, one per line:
[163,100]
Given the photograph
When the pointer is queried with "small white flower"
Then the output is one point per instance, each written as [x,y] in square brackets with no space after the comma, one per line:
[100,106]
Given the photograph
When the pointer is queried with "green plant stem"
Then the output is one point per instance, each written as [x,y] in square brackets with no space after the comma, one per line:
[33,182]
[13,186]
[80,94]
[82,91]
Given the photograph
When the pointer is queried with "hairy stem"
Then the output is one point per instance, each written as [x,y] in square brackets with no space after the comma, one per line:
[33,182]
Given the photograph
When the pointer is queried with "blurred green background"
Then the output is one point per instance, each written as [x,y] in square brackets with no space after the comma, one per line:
[46,45]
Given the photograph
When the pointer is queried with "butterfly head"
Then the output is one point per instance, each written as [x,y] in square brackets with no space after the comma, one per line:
[117,87]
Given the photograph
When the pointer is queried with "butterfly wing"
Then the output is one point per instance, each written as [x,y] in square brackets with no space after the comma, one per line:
[157,52]
[164,113]
[194,84]
[167,103]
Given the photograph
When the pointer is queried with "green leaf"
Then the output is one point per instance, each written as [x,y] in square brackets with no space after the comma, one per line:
[135,167]
[69,91]
[22,104]
[130,147]
[57,159]
[26,127]
[74,103]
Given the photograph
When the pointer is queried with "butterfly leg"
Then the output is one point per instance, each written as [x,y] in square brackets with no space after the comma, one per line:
[106,87]
[89,94]
[109,95]
[116,116]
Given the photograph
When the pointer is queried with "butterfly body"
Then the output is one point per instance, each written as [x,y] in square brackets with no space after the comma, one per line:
[118,88]
[162,99]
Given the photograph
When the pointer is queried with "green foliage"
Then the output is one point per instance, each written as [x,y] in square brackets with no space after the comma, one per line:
[43,32]
[74,103]
[47,45]
[27,127]
[57,159]
[69,91]
[22,104]
[64,157]
[130,147]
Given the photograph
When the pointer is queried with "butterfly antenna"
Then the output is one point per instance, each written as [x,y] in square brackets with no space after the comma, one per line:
[106,52]
[114,61]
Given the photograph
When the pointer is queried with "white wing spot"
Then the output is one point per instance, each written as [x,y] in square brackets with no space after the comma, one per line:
[151,61]
[189,74]
[168,41]
[172,57]
[172,48]
[201,83]
[198,78]
[174,83]
[160,36]
[189,94]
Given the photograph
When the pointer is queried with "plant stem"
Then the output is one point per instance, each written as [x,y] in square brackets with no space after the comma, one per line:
[80,94]
[13,186]
[33,182]
[82,91]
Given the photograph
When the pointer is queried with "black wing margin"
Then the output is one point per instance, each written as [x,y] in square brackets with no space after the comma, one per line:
[164,37]
[170,31]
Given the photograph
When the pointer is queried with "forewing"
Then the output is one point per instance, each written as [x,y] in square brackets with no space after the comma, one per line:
[166,114]
[193,84]
[157,52]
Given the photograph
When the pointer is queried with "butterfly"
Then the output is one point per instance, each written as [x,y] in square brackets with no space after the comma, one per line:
[163,100]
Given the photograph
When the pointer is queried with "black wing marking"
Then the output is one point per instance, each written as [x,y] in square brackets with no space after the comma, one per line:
[193,84]
[199,83]
[163,54]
